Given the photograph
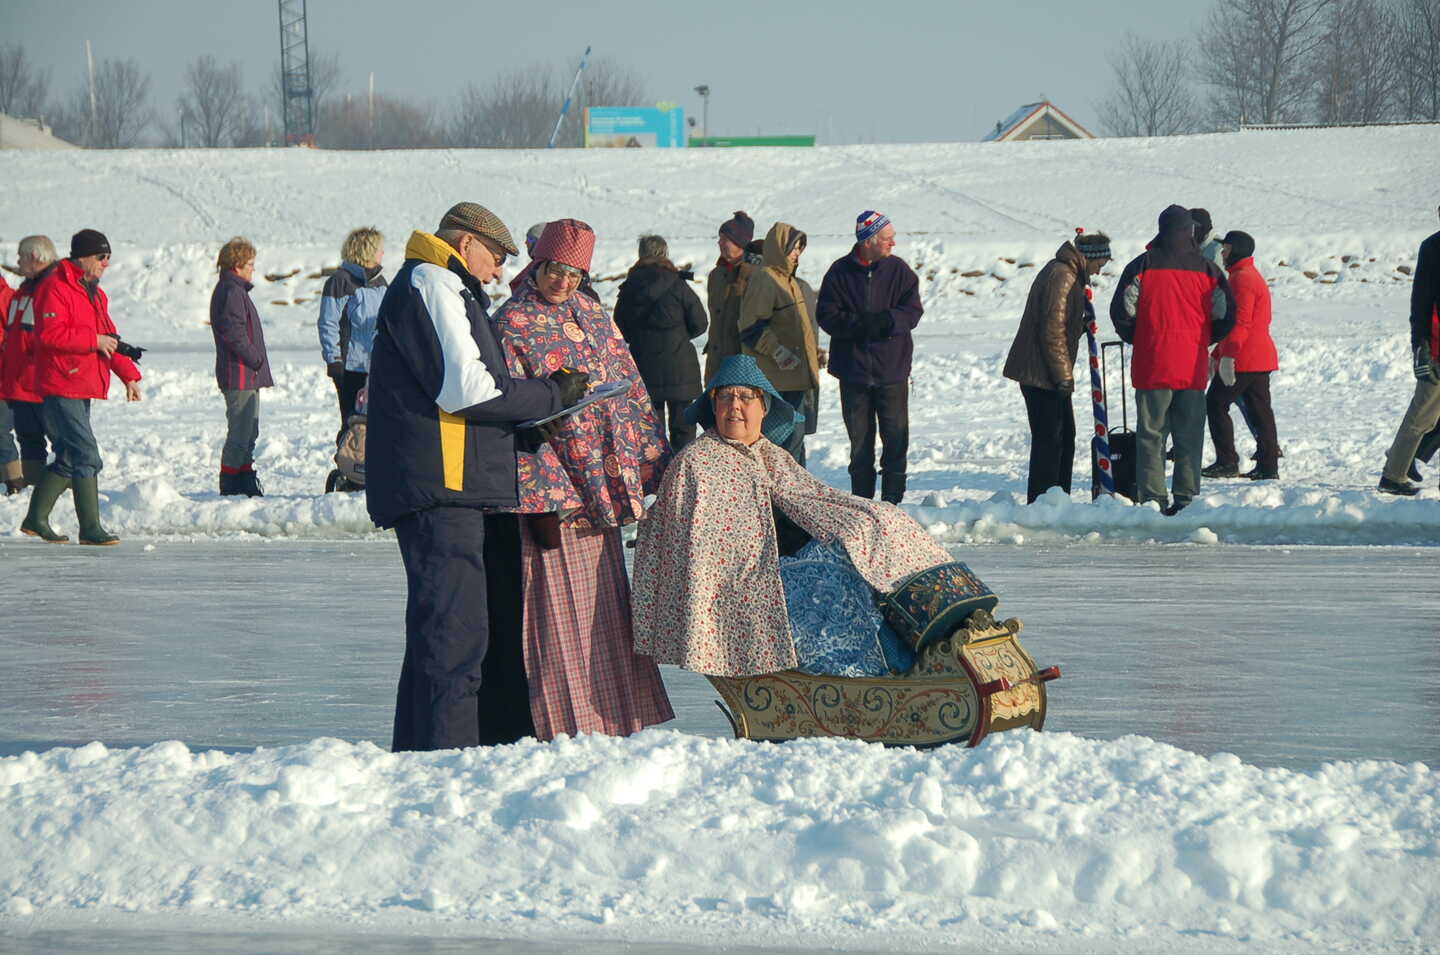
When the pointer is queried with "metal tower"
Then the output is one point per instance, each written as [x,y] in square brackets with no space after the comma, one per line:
[299,101]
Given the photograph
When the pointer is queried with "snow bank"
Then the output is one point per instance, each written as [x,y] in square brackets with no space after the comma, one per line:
[1033,838]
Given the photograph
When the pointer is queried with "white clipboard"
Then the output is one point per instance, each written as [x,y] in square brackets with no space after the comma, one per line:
[609,389]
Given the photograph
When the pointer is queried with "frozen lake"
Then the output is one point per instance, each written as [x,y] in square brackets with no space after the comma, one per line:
[1283,656]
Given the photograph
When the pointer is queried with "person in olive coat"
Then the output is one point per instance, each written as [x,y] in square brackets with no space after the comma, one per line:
[659,313]
[1042,358]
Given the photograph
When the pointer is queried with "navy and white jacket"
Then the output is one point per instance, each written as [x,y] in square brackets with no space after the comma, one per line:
[442,407]
[335,335]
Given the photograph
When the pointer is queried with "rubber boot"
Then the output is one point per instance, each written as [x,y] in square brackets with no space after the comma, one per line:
[229,484]
[42,501]
[32,469]
[248,483]
[87,510]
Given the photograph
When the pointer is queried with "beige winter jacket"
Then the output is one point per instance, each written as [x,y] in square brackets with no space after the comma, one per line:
[774,300]
[1043,353]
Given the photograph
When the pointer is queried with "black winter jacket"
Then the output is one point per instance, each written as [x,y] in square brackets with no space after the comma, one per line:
[1425,297]
[443,406]
[658,313]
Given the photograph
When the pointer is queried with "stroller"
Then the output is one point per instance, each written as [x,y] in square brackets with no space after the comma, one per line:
[349,471]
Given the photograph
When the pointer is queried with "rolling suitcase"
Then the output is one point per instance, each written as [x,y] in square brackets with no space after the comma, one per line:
[1122,439]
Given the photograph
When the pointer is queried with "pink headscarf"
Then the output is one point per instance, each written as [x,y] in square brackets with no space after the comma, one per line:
[567,241]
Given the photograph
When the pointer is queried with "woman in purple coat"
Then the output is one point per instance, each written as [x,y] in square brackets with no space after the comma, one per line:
[242,367]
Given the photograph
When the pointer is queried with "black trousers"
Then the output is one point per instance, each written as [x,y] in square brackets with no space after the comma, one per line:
[447,629]
[504,689]
[1255,387]
[29,429]
[1052,440]
[868,409]
[672,413]
[347,389]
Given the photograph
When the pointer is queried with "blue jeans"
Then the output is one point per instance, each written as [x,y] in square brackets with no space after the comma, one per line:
[67,422]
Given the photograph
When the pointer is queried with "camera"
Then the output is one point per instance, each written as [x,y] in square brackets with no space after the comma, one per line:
[132,352]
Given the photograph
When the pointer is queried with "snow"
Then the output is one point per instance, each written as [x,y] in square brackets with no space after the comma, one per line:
[1049,841]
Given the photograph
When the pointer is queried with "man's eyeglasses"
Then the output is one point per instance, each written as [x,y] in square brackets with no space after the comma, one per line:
[561,272]
[103,256]
[499,255]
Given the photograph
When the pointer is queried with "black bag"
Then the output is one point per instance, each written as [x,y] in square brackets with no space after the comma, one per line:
[1122,439]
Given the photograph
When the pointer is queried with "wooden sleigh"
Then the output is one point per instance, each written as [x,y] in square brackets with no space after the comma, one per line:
[974,681]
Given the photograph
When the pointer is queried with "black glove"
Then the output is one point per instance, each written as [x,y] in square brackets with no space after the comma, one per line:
[1425,369]
[335,369]
[876,326]
[545,528]
[572,385]
[530,439]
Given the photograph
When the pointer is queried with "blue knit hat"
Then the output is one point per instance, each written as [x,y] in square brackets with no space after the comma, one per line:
[868,223]
[780,419]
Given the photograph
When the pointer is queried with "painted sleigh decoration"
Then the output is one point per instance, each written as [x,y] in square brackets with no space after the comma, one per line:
[971,677]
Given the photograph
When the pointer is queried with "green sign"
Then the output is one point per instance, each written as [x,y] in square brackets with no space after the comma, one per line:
[751,141]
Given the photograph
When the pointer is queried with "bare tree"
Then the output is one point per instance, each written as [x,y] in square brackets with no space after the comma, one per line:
[1356,64]
[212,105]
[23,89]
[517,109]
[350,123]
[119,113]
[1418,59]
[1260,56]
[1152,95]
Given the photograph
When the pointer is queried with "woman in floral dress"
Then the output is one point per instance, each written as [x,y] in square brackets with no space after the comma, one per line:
[577,490]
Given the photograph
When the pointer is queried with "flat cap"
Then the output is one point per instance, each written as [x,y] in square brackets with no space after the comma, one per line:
[473,217]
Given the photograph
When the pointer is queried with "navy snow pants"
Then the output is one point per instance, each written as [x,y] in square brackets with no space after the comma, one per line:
[447,629]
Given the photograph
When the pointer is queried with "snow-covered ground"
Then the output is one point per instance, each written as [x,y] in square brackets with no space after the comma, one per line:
[1034,842]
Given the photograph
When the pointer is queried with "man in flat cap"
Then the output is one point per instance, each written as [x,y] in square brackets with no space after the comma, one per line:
[440,448]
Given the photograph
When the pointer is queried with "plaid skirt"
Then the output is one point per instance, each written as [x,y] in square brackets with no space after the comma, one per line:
[580,659]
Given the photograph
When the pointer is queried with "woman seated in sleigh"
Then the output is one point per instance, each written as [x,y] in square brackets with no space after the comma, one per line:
[747,564]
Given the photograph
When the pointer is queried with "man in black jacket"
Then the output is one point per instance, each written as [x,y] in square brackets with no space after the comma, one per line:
[869,304]
[440,447]
[1424,410]
[659,313]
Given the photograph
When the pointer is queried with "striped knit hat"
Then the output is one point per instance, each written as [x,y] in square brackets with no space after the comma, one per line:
[868,223]
[1094,245]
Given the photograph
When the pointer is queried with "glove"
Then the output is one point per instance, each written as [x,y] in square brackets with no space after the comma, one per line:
[785,359]
[335,369]
[572,385]
[1226,371]
[1424,369]
[530,439]
[877,326]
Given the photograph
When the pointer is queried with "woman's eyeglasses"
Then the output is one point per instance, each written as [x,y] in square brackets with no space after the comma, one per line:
[564,273]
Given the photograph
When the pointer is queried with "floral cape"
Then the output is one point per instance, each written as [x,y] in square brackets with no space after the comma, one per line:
[707,593]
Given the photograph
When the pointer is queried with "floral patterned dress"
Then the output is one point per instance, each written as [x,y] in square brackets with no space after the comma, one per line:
[583,673]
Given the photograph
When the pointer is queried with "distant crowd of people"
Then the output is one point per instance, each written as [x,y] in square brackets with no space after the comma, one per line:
[507,450]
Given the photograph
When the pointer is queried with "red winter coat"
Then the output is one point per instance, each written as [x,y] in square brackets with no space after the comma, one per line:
[6,293]
[17,350]
[1172,304]
[68,316]
[1249,343]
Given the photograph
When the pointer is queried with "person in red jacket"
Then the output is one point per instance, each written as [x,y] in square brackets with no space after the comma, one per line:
[1243,363]
[37,260]
[1171,304]
[10,470]
[75,352]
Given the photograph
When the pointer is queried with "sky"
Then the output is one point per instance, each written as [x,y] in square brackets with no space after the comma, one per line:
[924,71]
